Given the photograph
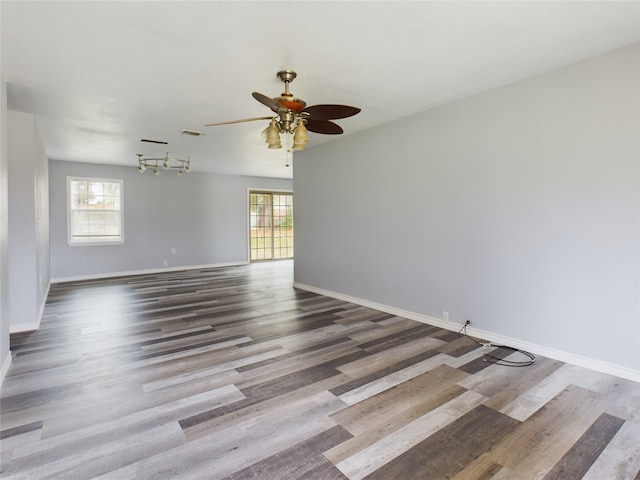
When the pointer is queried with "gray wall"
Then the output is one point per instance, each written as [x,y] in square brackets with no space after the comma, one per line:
[28,242]
[202,216]
[517,209]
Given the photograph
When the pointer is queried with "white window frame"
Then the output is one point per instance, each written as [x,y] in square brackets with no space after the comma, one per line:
[97,240]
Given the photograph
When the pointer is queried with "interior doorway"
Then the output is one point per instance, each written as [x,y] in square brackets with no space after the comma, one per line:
[270,225]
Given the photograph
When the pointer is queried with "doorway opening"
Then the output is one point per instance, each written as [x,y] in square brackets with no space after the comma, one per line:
[270,225]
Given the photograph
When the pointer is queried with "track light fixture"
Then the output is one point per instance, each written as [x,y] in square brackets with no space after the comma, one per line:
[164,163]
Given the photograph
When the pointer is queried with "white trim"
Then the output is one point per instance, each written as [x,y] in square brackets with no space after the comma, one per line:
[247,230]
[5,367]
[97,276]
[43,304]
[24,327]
[270,190]
[247,210]
[567,357]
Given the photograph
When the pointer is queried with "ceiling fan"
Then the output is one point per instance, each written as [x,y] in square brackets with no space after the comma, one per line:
[293,117]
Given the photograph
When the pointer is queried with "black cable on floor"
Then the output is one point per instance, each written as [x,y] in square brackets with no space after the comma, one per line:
[497,360]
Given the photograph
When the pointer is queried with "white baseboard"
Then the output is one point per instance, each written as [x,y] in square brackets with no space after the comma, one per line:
[567,357]
[98,276]
[24,327]
[5,367]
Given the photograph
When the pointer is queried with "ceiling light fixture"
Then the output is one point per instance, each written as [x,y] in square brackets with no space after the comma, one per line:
[294,119]
[295,138]
[163,163]
[290,120]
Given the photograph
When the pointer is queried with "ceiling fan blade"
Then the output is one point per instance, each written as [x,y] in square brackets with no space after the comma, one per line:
[269,102]
[238,121]
[323,126]
[330,112]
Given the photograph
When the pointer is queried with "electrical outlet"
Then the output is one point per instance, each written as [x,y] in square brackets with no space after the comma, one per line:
[165,263]
[173,251]
[445,316]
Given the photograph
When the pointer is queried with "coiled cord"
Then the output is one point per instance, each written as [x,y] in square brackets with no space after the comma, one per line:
[497,360]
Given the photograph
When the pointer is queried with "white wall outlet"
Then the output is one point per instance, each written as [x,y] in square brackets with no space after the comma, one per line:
[445,316]
[173,251]
[165,263]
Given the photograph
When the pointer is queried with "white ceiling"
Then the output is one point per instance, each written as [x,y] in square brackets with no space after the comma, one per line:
[100,76]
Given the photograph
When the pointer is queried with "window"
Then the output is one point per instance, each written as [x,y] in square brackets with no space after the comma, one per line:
[95,211]
[271,225]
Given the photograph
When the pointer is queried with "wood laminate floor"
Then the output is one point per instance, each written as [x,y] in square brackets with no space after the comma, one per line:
[231,373]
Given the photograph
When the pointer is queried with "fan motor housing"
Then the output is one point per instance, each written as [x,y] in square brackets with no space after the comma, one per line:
[292,103]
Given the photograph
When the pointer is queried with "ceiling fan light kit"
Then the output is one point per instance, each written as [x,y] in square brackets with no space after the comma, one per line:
[294,119]
[163,163]
[273,135]
[300,136]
